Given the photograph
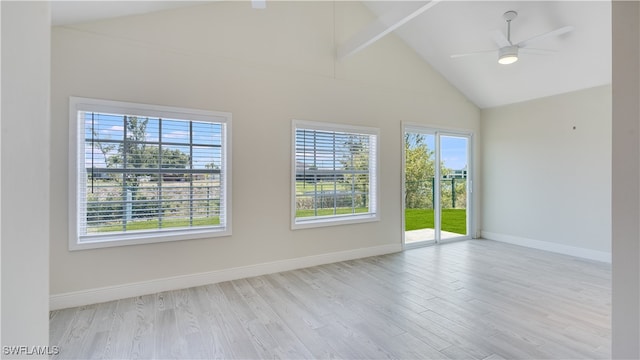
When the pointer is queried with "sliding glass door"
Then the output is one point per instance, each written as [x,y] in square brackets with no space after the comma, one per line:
[436,178]
[419,186]
[454,173]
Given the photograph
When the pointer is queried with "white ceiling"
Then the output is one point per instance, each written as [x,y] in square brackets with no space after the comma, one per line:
[582,59]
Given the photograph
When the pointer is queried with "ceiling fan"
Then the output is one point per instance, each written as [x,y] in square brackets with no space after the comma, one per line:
[508,51]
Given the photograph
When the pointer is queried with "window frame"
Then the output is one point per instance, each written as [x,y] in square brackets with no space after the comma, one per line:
[374,176]
[76,140]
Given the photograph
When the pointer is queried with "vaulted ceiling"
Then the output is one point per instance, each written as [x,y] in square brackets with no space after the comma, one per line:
[576,60]
[580,58]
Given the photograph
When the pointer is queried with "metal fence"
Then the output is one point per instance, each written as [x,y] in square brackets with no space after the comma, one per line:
[108,203]
[321,196]
[421,194]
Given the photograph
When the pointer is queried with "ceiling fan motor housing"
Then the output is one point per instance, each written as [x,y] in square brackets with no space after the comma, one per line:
[508,55]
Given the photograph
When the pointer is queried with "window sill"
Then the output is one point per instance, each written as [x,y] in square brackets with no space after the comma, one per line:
[150,237]
[308,223]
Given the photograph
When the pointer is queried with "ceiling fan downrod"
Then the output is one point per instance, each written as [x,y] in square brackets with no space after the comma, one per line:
[508,54]
[508,16]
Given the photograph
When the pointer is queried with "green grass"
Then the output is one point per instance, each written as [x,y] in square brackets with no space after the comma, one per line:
[166,223]
[453,220]
[323,212]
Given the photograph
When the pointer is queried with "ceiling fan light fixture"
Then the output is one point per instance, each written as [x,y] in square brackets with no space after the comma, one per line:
[508,55]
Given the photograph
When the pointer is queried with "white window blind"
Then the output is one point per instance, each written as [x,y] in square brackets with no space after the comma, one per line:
[149,173]
[335,174]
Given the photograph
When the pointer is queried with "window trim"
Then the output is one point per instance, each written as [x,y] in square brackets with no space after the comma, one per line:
[374,187]
[142,237]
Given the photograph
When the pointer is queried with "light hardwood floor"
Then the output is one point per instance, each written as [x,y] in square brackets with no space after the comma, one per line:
[475,299]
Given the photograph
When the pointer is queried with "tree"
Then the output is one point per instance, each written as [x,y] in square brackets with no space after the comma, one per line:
[132,152]
[104,148]
[419,172]
[357,159]
[212,166]
[136,154]
[171,158]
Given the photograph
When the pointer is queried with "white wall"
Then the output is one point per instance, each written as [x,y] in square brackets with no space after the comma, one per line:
[626,181]
[25,174]
[547,184]
[267,67]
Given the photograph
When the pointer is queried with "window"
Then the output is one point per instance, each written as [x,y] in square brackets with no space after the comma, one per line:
[335,174]
[144,173]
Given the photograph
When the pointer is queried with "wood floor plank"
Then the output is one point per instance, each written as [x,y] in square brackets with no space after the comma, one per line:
[341,303]
[231,327]
[278,294]
[454,352]
[387,319]
[215,342]
[254,329]
[493,357]
[288,344]
[356,306]
[351,342]
[97,337]
[402,346]
[295,319]
[514,348]
[59,321]
[143,342]
[469,341]
[71,342]
[170,344]
[463,300]
[120,339]
[188,325]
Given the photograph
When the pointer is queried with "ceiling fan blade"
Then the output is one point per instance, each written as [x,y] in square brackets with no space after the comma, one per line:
[455,56]
[537,51]
[499,38]
[556,32]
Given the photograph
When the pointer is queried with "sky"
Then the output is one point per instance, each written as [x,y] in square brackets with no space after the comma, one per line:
[176,133]
[453,150]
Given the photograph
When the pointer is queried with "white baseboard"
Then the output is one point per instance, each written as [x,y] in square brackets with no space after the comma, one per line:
[549,246]
[109,293]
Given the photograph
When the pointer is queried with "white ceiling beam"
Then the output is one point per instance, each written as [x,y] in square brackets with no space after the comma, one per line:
[380,28]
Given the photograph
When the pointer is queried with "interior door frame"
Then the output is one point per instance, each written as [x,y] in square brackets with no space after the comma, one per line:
[437,132]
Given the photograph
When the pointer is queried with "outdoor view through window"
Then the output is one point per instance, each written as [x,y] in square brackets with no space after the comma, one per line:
[143,174]
[436,207]
[335,173]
